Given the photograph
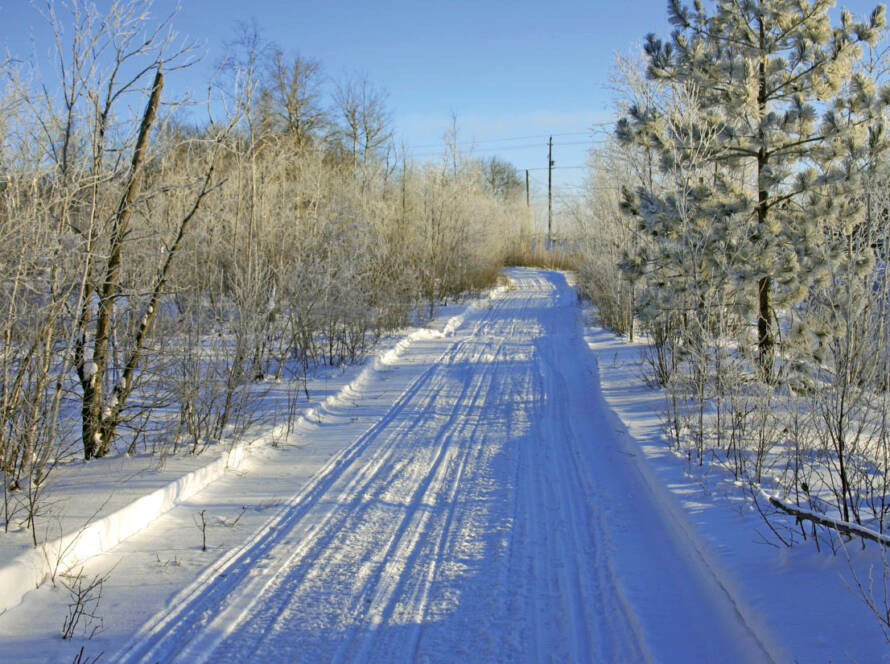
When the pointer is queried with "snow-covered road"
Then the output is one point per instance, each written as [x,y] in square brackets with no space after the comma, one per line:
[493,514]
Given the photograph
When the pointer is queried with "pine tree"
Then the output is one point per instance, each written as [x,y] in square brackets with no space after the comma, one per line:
[762,73]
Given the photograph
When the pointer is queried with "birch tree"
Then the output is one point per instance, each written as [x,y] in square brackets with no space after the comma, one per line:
[98,151]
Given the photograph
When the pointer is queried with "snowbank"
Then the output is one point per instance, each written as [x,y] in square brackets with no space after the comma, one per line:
[29,570]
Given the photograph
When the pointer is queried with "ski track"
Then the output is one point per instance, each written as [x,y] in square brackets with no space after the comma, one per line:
[490,515]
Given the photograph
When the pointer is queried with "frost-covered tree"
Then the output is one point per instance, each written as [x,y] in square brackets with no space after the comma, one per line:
[290,97]
[501,176]
[155,271]
[763,72]
[365,120]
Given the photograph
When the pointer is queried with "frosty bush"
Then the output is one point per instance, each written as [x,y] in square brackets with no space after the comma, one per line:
[158,267]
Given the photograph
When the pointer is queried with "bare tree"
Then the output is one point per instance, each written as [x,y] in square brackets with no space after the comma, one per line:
[147,264]
[501,177]
[291,97]
[366,121]
[112,57]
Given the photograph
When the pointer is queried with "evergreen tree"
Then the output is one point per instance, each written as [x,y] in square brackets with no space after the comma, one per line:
[762,72]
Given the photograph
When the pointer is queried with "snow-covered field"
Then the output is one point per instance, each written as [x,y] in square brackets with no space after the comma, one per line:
[494,491]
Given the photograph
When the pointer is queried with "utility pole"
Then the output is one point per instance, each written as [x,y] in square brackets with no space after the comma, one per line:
[525,225]
[404,184]
[527,203]
[550,163]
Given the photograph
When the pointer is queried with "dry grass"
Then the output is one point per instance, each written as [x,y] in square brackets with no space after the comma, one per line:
[554,259]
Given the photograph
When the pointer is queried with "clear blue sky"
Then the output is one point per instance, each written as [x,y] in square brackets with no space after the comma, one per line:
[508,70]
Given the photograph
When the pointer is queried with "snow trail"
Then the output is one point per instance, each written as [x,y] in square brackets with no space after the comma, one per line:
[492,514]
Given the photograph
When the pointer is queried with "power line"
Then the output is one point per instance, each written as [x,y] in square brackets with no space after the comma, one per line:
[543,168]
[513,138]
[507,148]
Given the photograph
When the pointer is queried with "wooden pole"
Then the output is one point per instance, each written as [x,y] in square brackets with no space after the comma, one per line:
[550,193]
[527,203]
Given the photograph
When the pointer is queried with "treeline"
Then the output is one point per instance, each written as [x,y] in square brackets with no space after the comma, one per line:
[154,265]
[739,218]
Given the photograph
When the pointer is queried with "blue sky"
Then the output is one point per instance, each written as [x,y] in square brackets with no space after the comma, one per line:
[512,72]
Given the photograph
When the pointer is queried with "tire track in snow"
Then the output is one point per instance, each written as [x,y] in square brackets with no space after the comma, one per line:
[188,631]
[443,540]
[398,539]
[405,555]
[160,639]
[612,632]
[484,517]
[311,545]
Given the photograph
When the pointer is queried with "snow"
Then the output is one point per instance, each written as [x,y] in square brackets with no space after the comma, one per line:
[807,597]
[92,506]
[493,489]
[31,568]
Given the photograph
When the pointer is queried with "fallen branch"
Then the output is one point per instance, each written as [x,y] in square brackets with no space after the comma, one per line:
[851,529]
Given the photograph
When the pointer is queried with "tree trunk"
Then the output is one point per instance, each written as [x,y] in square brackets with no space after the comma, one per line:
[765,336]
[94,445]
[765,333]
